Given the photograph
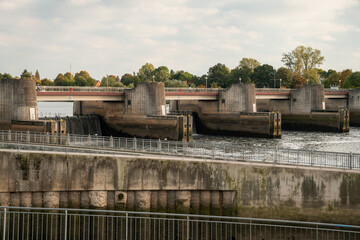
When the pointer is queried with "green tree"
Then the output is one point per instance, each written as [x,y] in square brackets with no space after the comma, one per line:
[332,78]
[47,82]
[240,74]
[285,75]
[25,74]
[83,78]
[182,75]
[162,74]
[176,83]
[312,76]
[146,72]
[5,76]
[352,81]
[302,59]
[219,74]
[110,81]
[37,77]
[128,79]
[64,80]
[249,63]
[263,76]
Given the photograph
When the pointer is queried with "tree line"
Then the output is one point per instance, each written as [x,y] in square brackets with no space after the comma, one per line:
[301,66]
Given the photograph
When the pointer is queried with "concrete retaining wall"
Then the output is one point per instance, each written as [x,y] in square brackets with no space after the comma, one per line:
[175,184]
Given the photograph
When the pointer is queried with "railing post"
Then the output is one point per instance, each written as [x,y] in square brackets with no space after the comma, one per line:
[126,226]
[111,142]
[159,145]
[250,230]
[4,229]
[67,139]
[28,136]
[317,232]
[47,138]
[66,223]
[213,151]
[135,144]
[9,135]
[89,140]
[187,227]
[350,160]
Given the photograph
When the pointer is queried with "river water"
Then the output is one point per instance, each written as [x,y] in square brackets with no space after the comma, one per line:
[319,141]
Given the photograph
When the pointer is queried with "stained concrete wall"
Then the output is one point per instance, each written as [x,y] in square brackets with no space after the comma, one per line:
[172,184]
[18,101]
[238,98]
[146,99]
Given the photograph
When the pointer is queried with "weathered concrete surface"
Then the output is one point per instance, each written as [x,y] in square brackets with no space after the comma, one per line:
[173,184]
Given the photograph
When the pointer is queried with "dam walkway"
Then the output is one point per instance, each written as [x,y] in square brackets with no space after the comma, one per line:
[231,153]
[58,223]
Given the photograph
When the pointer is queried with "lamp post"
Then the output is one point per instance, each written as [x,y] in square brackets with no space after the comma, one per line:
[206,83]
[240,80]
[274,77]
[107,80]
[280,83]
[339,83]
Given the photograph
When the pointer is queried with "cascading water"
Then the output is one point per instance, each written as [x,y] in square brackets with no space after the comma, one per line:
[83,125]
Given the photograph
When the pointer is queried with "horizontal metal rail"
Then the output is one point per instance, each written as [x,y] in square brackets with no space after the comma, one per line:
[57,223]
[195,149]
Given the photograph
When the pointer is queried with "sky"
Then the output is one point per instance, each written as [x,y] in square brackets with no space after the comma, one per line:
[118,37]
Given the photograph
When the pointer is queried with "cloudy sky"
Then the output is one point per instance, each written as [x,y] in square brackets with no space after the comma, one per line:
[116,36]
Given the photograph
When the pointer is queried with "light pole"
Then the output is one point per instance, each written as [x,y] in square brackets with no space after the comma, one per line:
[280,83]
[206,83]
[240,80]
[339,83]
[107,80]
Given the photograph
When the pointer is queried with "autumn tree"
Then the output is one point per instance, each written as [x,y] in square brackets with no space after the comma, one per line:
[64,80]
[303,60]
[5,76]
[298,81]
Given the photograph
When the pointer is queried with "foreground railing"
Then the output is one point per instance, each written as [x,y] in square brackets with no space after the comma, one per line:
[46,223]
[194,149]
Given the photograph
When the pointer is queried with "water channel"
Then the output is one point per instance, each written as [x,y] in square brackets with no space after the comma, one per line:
[320,141]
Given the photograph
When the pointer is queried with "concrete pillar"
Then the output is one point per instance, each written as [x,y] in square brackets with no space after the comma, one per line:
[142,200]
[98,199]
[171,196]
[111,200]
[120,200]
[154,201]
[162,201]
[146,99]
[74,199]
[36,200]
[182,203]
[229,203]
[195,202]
[25,199]
[216,203]
[51,199]
[64,199]
[205,202]
[84,199]
[307,98]
[238,98]
[5,199]
[15,199]
[130,202]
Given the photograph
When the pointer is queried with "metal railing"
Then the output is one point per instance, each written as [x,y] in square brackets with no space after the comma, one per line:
[55,223]
[194,149]
[114,89]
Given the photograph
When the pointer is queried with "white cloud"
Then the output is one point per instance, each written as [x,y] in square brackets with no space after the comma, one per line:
[111,35]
